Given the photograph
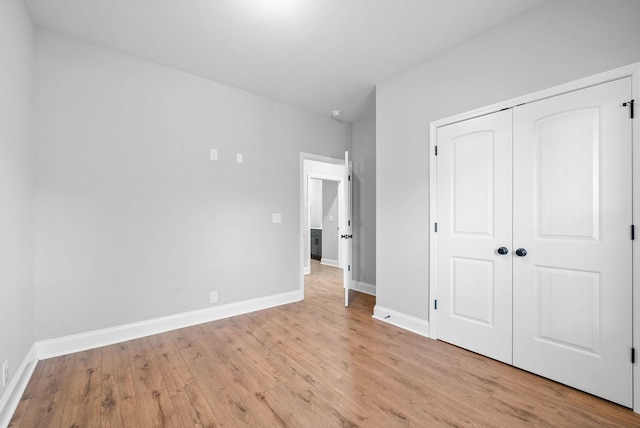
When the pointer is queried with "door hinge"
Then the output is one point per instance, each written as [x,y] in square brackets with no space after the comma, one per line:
[630,104]
[435,304]
[435,227]
[349,178]
[348,222]
[436,150]
[633,355]
[349,268]
[633,232]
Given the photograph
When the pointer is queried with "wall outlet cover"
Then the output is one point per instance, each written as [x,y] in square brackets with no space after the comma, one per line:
[213,297]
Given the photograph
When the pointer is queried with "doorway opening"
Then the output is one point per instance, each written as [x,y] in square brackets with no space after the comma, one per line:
[325,212]
[321,178]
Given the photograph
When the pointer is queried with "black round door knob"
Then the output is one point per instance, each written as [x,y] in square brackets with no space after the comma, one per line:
[503,250]
[521,252]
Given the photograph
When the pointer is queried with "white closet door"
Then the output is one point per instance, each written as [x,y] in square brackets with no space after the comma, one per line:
[474,221]
[572,301]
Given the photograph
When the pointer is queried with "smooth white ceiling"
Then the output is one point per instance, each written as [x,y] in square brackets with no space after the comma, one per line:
[321,55]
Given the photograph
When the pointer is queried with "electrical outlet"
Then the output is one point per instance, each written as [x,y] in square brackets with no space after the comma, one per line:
[213,154]
[213,297]
[5,373]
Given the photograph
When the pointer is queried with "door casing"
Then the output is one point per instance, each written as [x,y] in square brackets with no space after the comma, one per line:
[336,174]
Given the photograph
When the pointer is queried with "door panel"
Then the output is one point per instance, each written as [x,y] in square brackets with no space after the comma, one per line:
[472,176]
[566,162]
[474,220]
[472,290]
[569,308]
[572,299]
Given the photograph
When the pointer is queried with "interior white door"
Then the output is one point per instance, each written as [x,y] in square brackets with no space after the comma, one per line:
[572,214]
[473,278]
[347,236]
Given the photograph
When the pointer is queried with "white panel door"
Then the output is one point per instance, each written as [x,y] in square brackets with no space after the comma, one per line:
[347,237]
[572,300]
[473,280]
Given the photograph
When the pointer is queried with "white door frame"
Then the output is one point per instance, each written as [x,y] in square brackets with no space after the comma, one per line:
[341,216]
[632,71]
[305,175]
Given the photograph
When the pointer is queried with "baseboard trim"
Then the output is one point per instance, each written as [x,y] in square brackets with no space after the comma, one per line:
[108,336]
[329,262]
[407,322]
[364,287]
[11,397]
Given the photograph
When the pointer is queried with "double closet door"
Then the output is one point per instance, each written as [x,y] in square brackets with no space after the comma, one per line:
[534,250]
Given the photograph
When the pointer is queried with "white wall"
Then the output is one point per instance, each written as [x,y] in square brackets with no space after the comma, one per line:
[555,43]
[315,203]
[16,184]
[330,253]
[363,147]
[133,221]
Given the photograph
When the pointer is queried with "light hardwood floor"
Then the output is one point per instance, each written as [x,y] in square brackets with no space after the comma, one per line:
[308,364]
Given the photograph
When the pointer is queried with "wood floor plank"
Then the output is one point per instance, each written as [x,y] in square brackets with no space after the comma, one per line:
[261,352]
[118,402]
[49,399]
[313,363]
[227,401]
[27,396]
[82,408]
[115,357]
[152,398]
[245,370]
[191,407]
[299,404]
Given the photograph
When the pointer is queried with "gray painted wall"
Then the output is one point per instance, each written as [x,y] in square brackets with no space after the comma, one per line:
[315,203]
[557,42]
[133,221]
[330,220]
[364,200]
[16,184]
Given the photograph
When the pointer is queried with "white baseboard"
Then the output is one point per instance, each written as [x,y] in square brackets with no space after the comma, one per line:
[329,262]
[11,397]
[109,336]
[364,287]
[407,322]
[307,270]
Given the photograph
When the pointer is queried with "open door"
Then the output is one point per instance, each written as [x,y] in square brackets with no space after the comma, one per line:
[347,236]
